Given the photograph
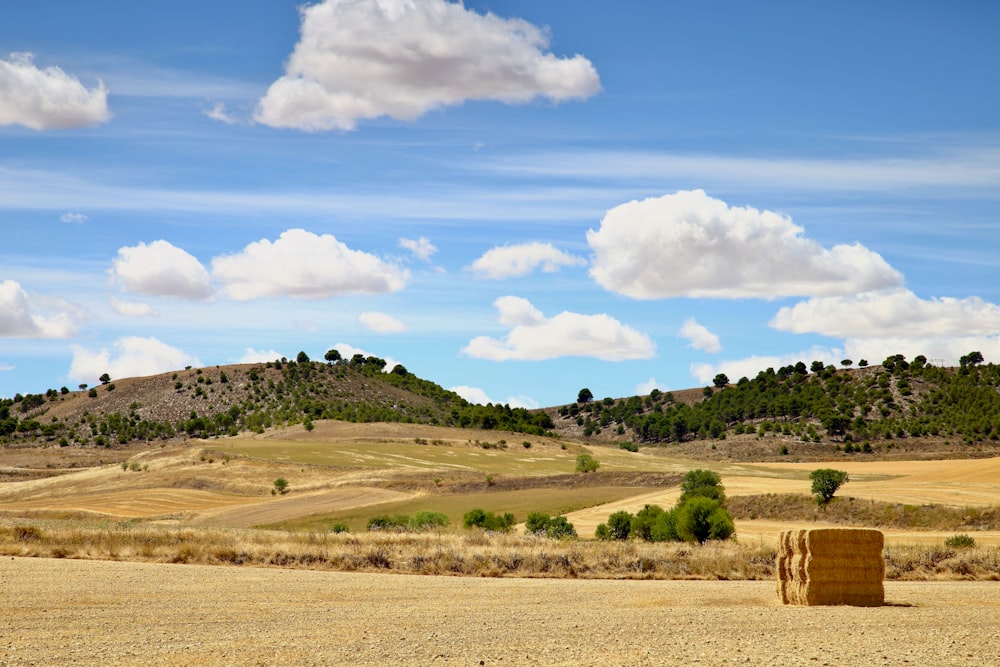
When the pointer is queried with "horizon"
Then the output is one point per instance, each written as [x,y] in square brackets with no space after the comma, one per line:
[514,200]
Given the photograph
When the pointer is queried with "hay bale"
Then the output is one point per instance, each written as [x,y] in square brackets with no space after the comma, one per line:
[828,566]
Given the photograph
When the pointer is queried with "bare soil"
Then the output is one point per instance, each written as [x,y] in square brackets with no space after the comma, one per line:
[59,612]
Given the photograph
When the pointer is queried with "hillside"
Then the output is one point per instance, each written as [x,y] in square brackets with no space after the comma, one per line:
[893,410]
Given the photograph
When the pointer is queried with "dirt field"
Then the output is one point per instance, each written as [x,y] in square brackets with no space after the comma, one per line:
[59,612]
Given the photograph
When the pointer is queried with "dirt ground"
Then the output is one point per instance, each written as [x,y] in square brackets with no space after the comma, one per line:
[58,612]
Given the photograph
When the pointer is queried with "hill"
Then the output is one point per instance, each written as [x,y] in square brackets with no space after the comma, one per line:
[897,409]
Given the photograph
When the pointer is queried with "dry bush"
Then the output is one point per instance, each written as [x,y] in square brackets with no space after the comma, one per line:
[470,553]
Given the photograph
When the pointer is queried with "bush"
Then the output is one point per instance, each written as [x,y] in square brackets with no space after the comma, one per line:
[620,525]
[556,527]
[280,486]
[340,528]
[643,521]
[960,541]
[602,533]
[586,463]
[396,523]
[665,528]
[427,520]
[703,483]
[701,519]
[496,523]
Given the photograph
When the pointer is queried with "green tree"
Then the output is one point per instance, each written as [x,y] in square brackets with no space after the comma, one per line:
[720,380]
[644,520]
[825,482]
[620,525]
[302,358]
[280,486]
[585,396]
[702,483]
[701,519]
[971,359]
[586,463]
[332,356]
[105,378]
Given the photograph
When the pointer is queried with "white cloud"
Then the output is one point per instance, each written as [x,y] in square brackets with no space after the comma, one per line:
[218,112]
[690,244]
[421,248]
[252,356]
[6,368]
[644,388]
[29,316]
[381,323]
[359,59]
[946,350]
[472,394]
[699,337]
[751,366]
[132,308]
[887,313]
[161,269]
[518,260]
[348,351]
[131,356]
[74,218]
[47,99]
[480,397]
[535,338]
[303,265]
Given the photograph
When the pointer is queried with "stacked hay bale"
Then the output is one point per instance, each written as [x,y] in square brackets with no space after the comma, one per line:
[826,566]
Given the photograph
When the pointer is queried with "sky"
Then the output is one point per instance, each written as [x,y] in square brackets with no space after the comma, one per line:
[512,199]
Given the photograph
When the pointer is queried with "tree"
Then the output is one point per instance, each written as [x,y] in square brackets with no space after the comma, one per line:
[702,483]
[332,356]
[720,380]
[817,366]
[825,482]
[399,369]
[586,463]
[585,396]
[82,385]
[105,378]
[302,358]
[280,486]
[863,363]
[701,519]
[620,525]
[846,363]
[971,359]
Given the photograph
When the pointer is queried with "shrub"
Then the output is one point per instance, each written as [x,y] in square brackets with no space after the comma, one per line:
[340,528]
[960,541]
[703,483]
[586,463]
[701,519]
[281,485]
[664,528]
[643,521]
[602,533]
[427,520]
[386,522]
[620,525]
[556,527]
[496,523]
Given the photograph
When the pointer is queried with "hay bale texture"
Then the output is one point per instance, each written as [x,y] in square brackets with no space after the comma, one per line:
[827,566]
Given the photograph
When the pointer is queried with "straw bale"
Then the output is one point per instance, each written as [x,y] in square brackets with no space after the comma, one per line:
[830,566]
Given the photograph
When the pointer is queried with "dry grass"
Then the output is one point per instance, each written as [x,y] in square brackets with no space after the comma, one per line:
[461,554]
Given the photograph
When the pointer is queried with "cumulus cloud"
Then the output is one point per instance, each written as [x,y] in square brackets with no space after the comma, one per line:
[30,316]
[303,265]
[360,59]
[887,313]
[161,269]
[252,356]
[348,351]
[480,397]
[644,388]
[132,308]
[421,248]
[534,337]
[751,366]
[381,323]
[690,244]
[74,218]
[521,259]
[942,350]
[130,356]
[699,337]
[47,99]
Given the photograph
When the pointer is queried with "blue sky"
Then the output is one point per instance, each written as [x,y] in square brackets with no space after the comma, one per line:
[513,199]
